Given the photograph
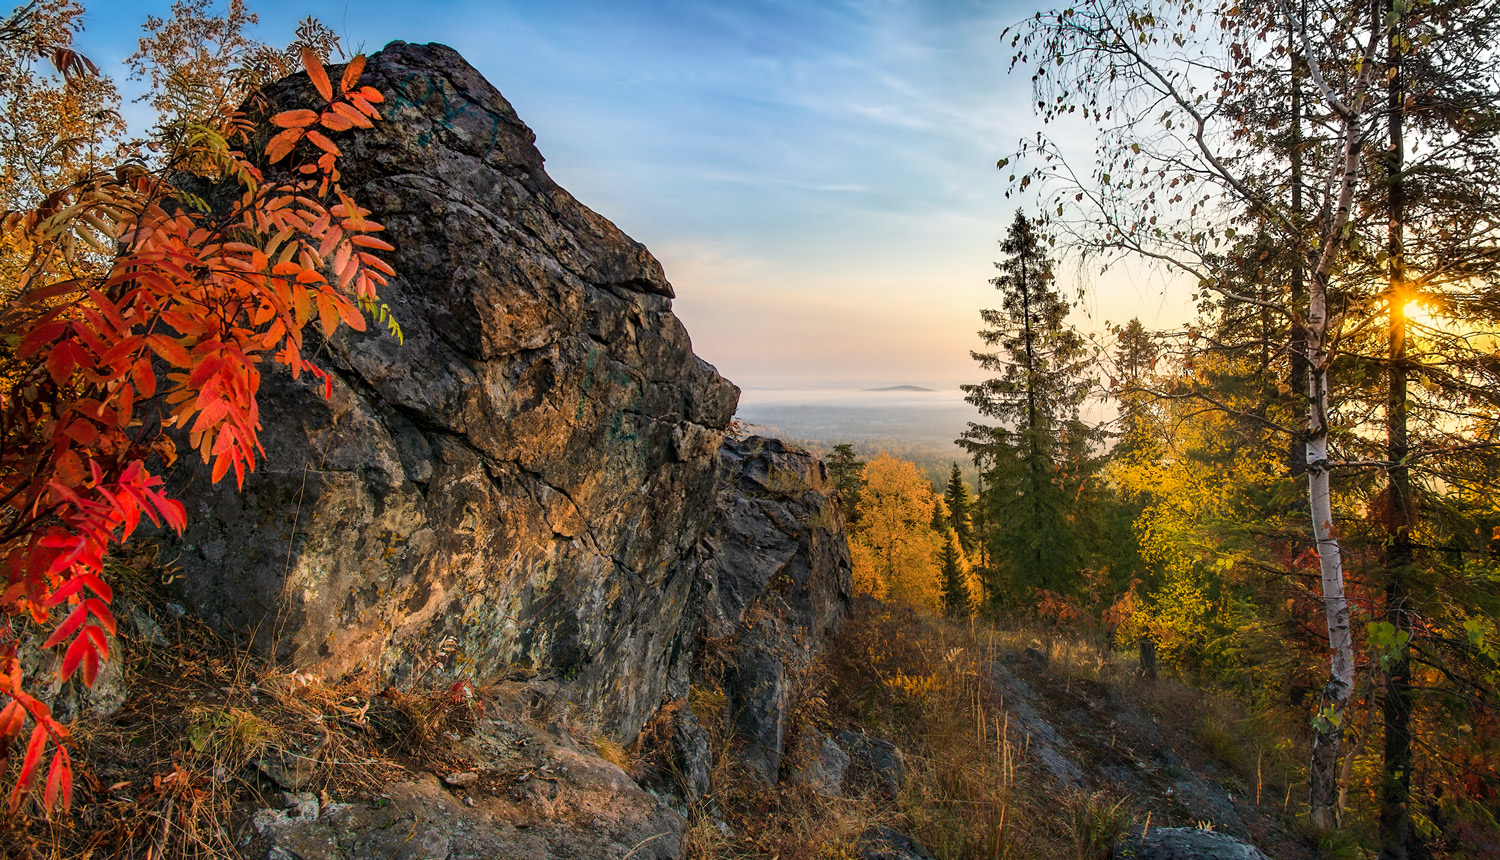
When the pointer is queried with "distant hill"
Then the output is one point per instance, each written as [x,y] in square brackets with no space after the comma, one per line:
[900,388]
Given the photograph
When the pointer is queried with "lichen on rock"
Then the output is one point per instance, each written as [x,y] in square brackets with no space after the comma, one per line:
[524,480]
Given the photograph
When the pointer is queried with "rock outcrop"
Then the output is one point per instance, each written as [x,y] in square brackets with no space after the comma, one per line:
[523,483]
[535,485]
[772,576]
[532,796]
[775,583]
[1184,843]
[776,563]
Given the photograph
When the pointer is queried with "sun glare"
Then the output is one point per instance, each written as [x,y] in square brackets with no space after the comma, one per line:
[1418,313]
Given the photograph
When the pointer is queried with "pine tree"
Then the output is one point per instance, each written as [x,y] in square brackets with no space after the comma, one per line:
[955,591]
[960,509]
[1135,356]
[847,473]
[1035,456]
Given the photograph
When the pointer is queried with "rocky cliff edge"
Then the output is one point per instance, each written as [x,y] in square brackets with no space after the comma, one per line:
[530,483]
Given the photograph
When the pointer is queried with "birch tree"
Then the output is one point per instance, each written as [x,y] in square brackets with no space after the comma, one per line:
[1179,175]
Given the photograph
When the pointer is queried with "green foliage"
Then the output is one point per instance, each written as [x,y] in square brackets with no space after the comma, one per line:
[1036,457]
[960,506]
[955,590]
[1388,643]
[847,473]
[1094,822]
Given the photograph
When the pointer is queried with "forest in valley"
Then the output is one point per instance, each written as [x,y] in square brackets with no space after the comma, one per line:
[1297,499]
[1283,542]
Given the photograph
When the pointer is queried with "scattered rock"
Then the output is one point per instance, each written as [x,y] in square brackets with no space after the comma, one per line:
[544,800]
[459,780]
[147,631]
[1184,843]
[302,805]
[875,763]
[290,772]
[820,764]
[883,843]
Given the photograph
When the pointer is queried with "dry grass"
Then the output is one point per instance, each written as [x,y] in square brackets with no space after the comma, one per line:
[969,793]
[182,763]
[973,789]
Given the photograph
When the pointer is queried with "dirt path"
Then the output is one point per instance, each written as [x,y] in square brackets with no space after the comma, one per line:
[1086,736]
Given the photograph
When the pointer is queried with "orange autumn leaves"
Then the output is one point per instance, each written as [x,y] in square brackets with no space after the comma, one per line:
[355,108]
[140,308]
[896,553]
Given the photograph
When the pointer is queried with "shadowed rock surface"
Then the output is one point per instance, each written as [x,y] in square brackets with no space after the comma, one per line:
[777,566]
[1184,843]
[884,843]
[523,482]
[776,583]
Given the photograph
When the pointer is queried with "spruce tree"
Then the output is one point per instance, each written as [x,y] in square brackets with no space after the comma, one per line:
[940,521]
[1035,456]
[955,592]
[847,473]
[960,509]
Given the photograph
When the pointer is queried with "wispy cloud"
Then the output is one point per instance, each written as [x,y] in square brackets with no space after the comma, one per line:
[817,175]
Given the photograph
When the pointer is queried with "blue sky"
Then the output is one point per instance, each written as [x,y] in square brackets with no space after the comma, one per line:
[818,178]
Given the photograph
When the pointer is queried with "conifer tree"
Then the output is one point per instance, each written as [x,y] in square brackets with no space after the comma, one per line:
[955,591]
[847,473]
[1035,455]
[960,509]
[940,521]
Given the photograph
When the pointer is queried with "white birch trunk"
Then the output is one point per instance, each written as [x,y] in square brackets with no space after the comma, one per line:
[1323,773]
[1328,722]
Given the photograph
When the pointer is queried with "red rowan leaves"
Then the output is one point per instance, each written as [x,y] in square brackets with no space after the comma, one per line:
[183,314]
[352,72]
[315,71]
[294,119]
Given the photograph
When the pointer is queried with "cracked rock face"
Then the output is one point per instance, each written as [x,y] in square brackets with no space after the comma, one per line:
[776,564]
[519,485]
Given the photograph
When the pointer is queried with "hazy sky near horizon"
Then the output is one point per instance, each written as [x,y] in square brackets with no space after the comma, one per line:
[817,178]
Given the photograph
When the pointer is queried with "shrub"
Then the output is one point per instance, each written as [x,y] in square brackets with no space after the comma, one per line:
[137,308]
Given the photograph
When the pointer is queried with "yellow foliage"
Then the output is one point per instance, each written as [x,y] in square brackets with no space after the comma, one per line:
[895,552]
[1196,481]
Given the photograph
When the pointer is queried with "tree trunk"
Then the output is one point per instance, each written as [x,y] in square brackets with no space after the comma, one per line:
[1148,658]
[1395,706]
[1327,723]
[1297,351]
[1033,433]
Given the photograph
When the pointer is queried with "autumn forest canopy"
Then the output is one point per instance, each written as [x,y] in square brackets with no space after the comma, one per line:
[1297,496]
[1291,499]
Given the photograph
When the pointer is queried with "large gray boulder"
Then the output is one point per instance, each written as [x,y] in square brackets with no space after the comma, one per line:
[522,484]
[1184,843]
